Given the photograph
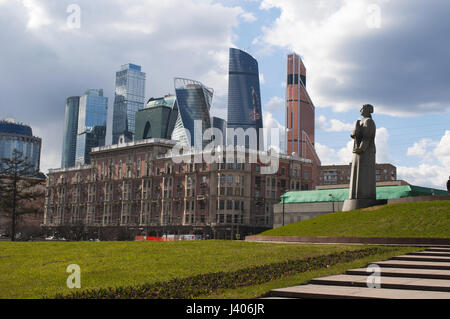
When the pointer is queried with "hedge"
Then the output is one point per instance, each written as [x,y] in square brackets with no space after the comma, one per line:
[205,284]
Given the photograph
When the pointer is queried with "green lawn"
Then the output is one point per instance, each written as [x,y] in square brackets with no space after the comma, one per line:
[420,219]
[38,269]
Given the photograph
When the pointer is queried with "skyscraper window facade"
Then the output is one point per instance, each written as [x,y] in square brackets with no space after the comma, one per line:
[244,98]
[300,118]
[157,119]
[92,117]
[17,136]
[220,124]
[70,131]
[194,102]
[129,98]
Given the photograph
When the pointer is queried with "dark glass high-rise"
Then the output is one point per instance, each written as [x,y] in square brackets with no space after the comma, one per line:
[244,98]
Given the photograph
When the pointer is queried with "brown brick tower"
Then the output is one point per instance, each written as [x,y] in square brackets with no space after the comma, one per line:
[300,112]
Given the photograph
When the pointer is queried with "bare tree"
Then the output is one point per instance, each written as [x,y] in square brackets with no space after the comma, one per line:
[18,181]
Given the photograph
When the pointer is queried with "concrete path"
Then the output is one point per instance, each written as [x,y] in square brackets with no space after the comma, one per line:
[420,275]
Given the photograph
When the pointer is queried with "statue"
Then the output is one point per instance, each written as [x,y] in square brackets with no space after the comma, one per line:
[362,192]
[448,185]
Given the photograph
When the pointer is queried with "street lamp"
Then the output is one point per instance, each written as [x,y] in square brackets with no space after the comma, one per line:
[332,200]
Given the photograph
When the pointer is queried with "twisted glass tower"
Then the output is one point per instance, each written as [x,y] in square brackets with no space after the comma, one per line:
[194,102]
[244,98]
[129,98]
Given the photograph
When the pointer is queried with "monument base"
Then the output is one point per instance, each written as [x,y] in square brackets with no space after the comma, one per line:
[351,204]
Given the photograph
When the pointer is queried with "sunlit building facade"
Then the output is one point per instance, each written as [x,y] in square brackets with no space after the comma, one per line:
[300,119]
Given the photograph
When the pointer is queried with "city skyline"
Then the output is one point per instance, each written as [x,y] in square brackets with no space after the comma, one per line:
[349,61]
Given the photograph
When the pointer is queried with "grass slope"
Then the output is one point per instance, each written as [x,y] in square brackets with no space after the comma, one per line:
[260,290]
[420,219]
[35,270]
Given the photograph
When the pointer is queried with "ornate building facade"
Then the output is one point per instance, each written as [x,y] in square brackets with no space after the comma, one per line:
[141,185]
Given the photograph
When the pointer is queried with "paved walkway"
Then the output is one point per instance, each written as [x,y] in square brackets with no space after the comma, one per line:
[421,275]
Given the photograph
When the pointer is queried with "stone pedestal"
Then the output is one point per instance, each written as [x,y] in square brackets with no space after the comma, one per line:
[351,204]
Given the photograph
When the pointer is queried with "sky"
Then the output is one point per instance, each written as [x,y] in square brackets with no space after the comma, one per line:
[392,54]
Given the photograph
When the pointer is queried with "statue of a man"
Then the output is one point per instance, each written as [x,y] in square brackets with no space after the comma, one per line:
[362,181]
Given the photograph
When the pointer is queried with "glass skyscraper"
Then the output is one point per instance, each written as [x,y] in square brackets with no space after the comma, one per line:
[92,116]
[244,98]
[20,137]
[194,102]
[70,132]
[220,124]
[158,118]
[129,98]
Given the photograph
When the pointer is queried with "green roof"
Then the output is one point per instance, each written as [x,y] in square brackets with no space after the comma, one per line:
[341,194]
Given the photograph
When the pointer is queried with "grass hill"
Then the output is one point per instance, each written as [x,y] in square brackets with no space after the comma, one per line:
[419,219]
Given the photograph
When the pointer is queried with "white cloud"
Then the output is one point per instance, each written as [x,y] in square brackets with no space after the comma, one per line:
[261,78]
[275,104]
[269,123]
[344,155]
[332,125]
[382,146]
[248,17]
[421,147]
[426,174]
[349,64]
[326,154]
[442,150]
[37,15]
[339,126]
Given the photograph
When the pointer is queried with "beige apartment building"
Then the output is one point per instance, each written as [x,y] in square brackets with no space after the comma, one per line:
[340,174]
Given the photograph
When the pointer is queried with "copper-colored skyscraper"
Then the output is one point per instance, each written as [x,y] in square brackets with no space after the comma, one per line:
[300,112]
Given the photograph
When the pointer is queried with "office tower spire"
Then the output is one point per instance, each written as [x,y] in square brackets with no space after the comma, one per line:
[129,98]
[244,98]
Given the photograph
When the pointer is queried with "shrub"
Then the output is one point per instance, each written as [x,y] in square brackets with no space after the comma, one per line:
[205,284]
